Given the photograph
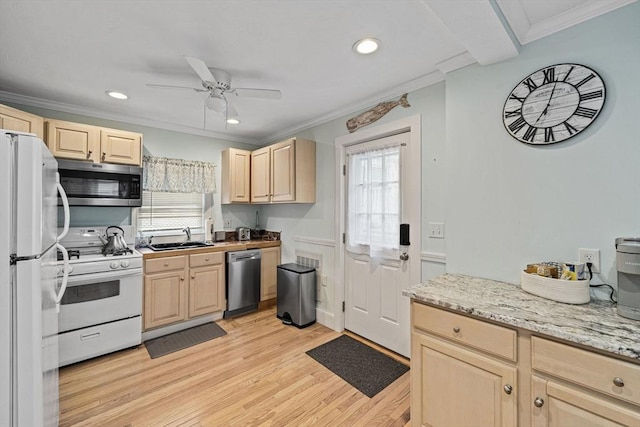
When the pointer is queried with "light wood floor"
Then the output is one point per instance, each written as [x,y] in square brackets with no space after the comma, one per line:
[256,375]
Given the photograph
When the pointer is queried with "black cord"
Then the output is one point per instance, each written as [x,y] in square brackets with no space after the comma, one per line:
[601,285]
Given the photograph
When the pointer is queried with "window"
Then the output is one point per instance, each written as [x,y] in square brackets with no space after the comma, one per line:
[171,211]
[374,205]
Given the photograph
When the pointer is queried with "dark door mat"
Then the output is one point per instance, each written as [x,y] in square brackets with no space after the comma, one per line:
[179,340]
[366,369]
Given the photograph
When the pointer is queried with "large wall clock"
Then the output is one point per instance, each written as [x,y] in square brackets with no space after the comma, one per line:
[554,104]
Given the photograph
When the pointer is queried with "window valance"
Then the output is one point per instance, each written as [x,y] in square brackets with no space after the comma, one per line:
[177,175]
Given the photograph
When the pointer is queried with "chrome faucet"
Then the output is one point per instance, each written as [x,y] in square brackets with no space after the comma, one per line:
[188,231]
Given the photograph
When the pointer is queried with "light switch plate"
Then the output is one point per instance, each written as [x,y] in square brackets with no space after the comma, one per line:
[436,230]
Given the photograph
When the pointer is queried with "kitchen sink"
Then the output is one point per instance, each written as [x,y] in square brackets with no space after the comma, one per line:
[177,245]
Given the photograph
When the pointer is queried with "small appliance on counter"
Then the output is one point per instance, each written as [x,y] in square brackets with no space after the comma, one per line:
[243,233]
[628,266]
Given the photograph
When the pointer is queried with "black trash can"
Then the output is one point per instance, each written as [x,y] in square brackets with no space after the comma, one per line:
[296,299]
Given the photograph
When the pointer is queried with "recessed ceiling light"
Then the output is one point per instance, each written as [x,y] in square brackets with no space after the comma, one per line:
[116,95]
[233,121]
[366,46]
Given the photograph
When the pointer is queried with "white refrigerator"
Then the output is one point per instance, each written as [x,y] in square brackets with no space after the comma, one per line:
[29,295]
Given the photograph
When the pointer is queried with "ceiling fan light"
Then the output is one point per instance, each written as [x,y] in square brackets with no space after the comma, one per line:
[366,46]
[233,121]
[216,103]
[116,95]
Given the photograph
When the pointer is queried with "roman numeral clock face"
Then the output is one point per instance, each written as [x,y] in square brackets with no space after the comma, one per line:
[554,104]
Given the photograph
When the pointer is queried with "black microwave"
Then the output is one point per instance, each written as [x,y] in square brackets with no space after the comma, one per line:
[100,184]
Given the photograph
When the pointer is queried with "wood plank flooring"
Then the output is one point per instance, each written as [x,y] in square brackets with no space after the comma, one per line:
[256,375]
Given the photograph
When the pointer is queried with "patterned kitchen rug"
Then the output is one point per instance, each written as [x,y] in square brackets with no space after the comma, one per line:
[363,367]
[183,339]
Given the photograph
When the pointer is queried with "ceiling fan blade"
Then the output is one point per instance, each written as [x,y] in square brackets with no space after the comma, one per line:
[257,93]
[176,87]
[231,111]
[201,69]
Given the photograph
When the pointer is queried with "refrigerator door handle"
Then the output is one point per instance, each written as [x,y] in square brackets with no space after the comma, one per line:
[65,206]
[65,275]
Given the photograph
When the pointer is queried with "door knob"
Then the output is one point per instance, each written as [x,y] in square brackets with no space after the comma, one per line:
[404,256]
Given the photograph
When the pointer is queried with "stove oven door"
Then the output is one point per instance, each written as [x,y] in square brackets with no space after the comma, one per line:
[93,299]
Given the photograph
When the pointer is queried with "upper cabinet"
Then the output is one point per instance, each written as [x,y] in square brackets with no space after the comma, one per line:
[77,141]
[236,176]
[12,119]
[284,172]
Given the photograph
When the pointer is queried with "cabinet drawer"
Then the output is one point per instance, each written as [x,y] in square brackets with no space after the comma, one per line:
[588,369]
[211,258]
[158,265]
[474,333]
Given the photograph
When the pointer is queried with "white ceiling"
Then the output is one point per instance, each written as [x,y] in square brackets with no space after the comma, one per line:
[64,55]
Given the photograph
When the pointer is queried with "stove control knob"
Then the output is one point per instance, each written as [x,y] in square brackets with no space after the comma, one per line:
[114,264]
[124,263]
[70,269]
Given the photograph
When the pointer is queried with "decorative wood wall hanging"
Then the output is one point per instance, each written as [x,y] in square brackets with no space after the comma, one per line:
[376,113]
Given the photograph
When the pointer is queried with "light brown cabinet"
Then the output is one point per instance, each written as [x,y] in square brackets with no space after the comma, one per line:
[21,121]
[206,283]
[165,291]
[78,141]
[269,273]
[178,288]
[236,176]
[465,371]
[284,172]
[452,384]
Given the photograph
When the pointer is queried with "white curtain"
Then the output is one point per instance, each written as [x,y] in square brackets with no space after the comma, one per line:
[178,176]
[374,199]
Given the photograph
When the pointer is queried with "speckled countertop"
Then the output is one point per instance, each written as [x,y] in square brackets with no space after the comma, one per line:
[595,324]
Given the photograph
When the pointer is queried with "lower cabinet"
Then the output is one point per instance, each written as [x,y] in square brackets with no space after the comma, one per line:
[269,273]
[465,372]
[454,385]
[177,288]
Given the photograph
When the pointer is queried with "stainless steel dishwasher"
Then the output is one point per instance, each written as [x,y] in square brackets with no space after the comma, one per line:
[243,281]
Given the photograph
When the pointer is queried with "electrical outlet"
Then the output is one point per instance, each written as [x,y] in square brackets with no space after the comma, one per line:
[436,230]
[592,256]
[323,280]
[227,223]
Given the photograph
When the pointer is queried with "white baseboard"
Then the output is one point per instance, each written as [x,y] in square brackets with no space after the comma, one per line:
[327,319]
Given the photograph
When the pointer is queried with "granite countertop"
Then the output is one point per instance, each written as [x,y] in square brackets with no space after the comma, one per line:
[215,247]
[595,324]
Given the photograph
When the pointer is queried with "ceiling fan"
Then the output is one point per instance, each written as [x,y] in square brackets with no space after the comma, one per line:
[218,83]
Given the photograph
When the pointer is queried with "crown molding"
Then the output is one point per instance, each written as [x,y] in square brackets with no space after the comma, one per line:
[526,32]
[455,62]
[99,114]
[410,86]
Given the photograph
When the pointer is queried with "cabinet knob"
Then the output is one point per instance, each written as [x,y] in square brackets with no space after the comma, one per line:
[456,329]
[166,264]
[618,382]
[539,402]
[193,276]
[507,388]
[206,259]
[89,154]
[104,156]
[182,278]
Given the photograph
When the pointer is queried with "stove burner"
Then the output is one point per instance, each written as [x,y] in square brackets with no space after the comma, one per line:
[118,253]
[72,253]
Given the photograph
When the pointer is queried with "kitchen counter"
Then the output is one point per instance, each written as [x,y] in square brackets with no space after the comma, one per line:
[216,247]
[595,325]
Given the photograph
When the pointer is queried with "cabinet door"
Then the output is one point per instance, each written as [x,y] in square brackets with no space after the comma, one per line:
[283,170]
[557,405]
[120,147]
[452,386]
[75,141]
[206,290]
[164,298]
[12,119]
[269,273]
[236,176]
[261,175]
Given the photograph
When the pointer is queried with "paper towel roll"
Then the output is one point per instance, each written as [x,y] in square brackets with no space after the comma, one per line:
[208,233]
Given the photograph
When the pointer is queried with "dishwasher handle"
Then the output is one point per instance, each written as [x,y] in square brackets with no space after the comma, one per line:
[238,256]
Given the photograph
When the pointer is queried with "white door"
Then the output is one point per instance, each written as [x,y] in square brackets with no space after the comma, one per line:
[377,267]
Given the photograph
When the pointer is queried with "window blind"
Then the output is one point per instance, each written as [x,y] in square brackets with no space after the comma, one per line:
[170,211]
